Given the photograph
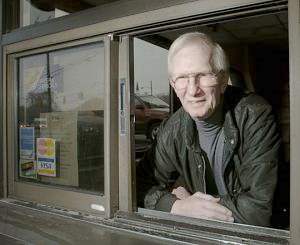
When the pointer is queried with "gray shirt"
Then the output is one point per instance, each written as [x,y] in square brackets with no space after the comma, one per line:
[211,138]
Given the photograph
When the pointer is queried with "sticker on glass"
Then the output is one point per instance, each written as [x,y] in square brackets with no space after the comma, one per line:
[46,157]
[27,142]
[27,168]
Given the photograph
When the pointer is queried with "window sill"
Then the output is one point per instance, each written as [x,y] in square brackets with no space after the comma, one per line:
[32,222]
[196,231]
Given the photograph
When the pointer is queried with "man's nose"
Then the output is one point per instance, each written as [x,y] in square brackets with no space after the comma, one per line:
[193,86]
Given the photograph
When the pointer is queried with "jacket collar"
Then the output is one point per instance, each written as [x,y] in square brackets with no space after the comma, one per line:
[231,97]
[191,135]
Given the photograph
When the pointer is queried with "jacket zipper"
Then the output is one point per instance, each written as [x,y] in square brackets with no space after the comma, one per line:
[203,160]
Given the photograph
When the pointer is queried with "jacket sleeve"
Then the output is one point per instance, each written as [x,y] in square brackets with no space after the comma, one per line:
[159,197]
[255,167]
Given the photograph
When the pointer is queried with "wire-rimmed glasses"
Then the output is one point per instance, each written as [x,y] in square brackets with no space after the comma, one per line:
[202,79]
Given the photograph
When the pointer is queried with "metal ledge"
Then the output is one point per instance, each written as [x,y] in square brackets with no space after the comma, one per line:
[24,221]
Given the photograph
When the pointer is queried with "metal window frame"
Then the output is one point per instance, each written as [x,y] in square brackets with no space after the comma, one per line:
[101,13]
[2,150]
[54,196]
[126,23]
[158,21]
[294,53]
[291,236]
[127,150]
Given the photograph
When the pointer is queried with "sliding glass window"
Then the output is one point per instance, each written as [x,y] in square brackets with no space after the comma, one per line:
[61,117]
[62,124]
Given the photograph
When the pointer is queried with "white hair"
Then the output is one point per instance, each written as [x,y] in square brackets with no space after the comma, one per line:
[218,60]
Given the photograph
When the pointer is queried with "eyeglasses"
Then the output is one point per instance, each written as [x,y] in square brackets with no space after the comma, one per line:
[201,79]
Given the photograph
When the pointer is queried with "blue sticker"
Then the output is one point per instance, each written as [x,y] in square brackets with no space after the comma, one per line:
[27,142]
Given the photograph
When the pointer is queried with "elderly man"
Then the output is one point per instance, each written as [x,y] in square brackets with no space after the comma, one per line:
[217,156]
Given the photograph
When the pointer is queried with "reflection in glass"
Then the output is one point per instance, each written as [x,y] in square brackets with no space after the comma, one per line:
[61,111]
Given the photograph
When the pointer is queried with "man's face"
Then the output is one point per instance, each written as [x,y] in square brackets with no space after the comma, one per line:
[199,102]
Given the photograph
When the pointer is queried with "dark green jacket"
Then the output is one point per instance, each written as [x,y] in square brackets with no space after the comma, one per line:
[251,153]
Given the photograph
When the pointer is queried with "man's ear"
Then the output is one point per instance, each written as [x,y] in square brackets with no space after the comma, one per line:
[223,81]
[172,85]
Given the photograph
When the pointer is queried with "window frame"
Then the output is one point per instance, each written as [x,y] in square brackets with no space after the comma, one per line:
[2,150]
[122,24]
[294,54]
[257,232]
[153,21]
[65,197]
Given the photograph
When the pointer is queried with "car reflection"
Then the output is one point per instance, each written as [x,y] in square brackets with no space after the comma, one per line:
[150,111]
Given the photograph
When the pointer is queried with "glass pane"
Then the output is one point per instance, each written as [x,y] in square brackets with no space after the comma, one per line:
[61,112]
[258,52]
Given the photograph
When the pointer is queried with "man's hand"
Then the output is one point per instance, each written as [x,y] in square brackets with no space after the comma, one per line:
[180,192]
[199,205]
